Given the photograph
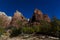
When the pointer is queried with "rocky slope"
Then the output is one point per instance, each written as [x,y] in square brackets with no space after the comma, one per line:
[29,37]
[18,20]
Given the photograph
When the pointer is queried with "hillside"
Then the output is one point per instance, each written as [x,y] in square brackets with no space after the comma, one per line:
[39,23]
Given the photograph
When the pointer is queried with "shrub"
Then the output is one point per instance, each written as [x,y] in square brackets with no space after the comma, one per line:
[2,30]
[15,32]
[27,30]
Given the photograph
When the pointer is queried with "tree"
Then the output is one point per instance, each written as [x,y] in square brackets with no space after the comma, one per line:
[45,27]
[55,27]
[37,29]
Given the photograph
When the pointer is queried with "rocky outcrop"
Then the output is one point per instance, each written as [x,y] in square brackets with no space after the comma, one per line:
[18,19]
[38,16]
[4,20]
[46,18]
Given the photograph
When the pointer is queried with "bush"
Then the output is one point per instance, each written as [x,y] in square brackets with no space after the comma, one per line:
[15,32]
[2,30]
[27,30]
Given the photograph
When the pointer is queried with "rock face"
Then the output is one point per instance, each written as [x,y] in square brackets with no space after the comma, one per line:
[46,18]
[4,20]
[38,16]
[18,19]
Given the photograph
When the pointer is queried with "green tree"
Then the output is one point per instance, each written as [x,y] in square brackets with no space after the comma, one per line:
[55,26]
[36,29]
[45,27]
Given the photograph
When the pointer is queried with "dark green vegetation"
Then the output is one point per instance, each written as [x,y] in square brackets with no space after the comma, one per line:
[2,30]
[52,29]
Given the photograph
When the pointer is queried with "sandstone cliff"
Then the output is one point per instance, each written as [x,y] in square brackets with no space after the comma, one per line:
[18,19]
[4,20]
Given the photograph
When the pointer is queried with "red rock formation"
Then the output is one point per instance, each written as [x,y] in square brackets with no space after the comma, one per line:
[4,20]
[18,19]
[37,16]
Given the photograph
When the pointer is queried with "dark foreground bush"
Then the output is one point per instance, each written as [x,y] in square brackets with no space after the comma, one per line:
[15,32]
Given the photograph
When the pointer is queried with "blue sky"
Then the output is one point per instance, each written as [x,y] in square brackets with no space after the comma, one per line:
[26,7]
